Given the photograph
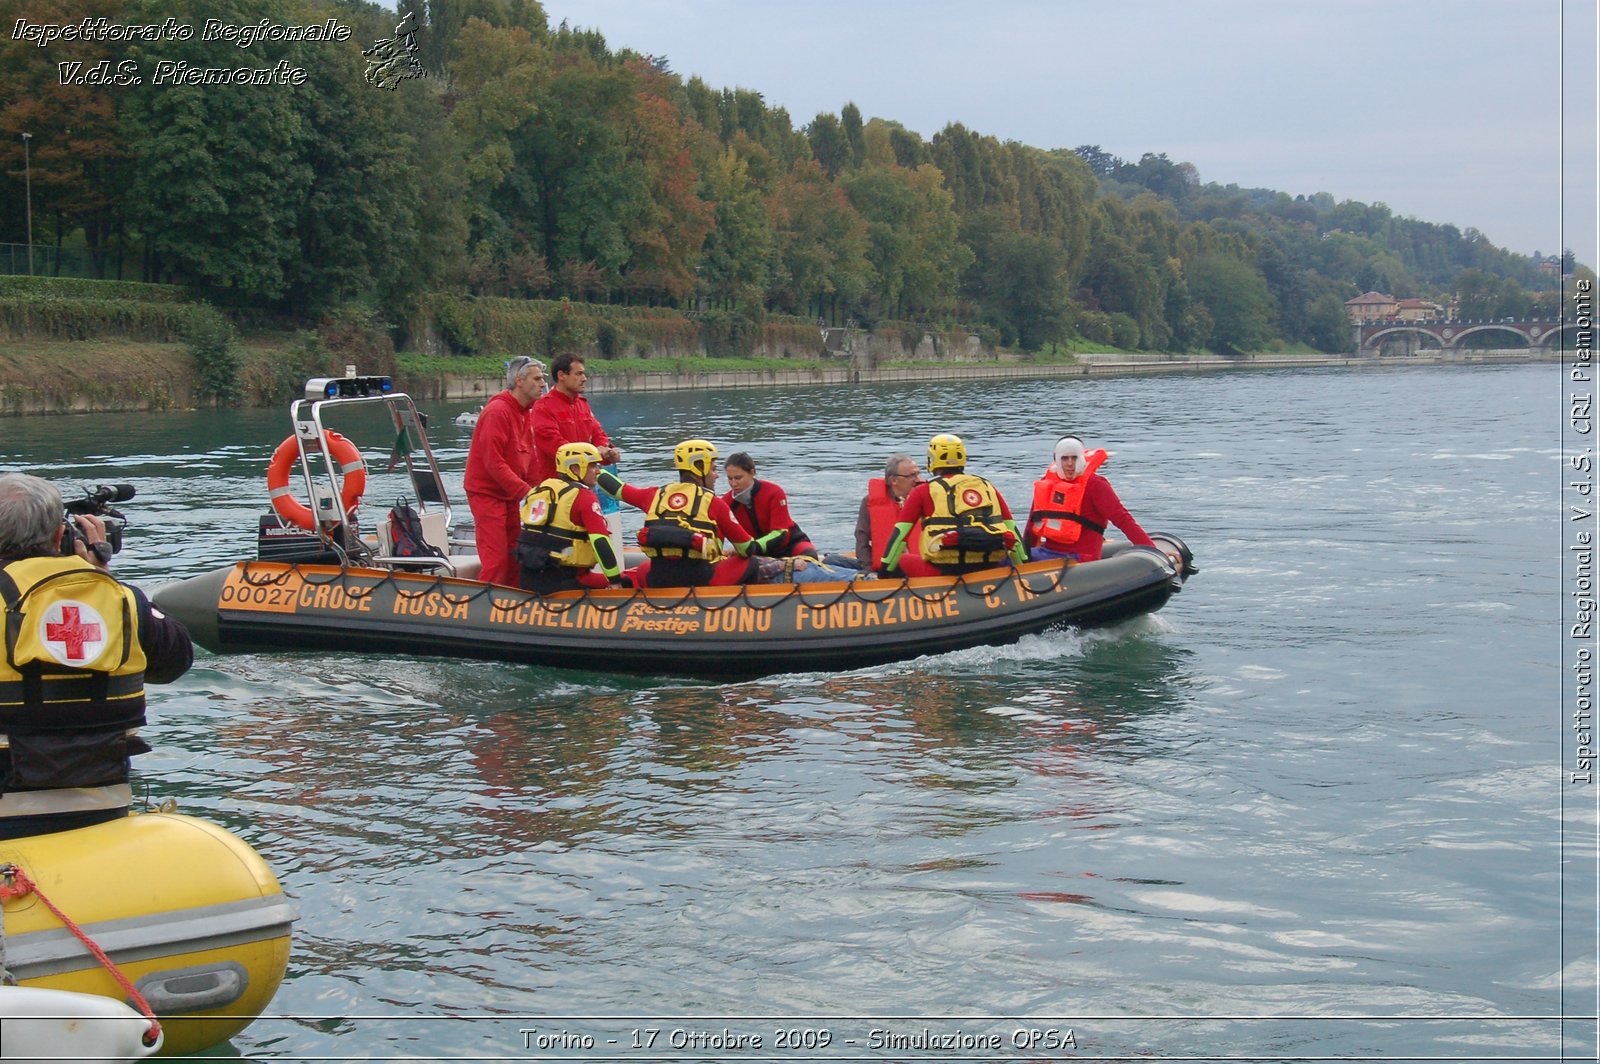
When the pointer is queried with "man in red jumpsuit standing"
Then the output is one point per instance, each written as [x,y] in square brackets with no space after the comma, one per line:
[500,469]
[563,416]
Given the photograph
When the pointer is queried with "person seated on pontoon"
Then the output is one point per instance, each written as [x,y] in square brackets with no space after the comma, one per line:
[564,536]
[966,525]
[685,524]
[1072,504]
[763,509]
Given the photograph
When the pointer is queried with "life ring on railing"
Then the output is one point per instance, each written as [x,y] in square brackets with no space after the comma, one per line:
[292,510]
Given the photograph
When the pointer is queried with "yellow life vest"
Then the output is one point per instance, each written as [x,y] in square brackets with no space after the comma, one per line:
[548,524]
[679,524]
[966,524]
[73,673]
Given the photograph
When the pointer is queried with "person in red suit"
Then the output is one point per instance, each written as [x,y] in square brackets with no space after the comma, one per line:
[500,469]
[966,524]
[763,509]
[1073,504]
[563,416]
[685,523]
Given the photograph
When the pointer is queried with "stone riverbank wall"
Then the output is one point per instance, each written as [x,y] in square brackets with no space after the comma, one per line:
[478,389]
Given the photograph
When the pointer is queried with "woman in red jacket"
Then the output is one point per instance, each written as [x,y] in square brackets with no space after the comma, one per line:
[763,509]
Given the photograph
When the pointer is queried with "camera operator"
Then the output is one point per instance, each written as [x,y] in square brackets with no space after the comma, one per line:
[79,647]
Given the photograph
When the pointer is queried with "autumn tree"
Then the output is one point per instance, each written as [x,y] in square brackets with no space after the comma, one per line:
[820,243]
[75,161]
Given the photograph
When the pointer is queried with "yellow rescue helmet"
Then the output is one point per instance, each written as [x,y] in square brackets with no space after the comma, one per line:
[946,452]
[695,456]
[574,460]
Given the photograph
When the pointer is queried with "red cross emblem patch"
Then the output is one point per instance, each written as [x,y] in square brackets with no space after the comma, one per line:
[72,632]
[971,497]
[678,500]
[538,509]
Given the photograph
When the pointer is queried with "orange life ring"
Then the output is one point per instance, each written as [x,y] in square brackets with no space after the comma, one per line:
[284,459]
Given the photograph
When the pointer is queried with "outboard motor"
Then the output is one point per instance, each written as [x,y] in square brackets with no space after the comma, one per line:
[280,542]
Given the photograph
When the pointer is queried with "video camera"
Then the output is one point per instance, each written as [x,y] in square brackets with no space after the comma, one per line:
[97,502]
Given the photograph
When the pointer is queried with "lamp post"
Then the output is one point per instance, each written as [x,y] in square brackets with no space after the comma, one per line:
[27,172]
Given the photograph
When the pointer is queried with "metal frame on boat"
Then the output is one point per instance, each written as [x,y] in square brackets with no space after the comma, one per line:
[336,537]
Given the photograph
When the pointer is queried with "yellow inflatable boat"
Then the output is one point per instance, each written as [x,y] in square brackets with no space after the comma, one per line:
[190,913]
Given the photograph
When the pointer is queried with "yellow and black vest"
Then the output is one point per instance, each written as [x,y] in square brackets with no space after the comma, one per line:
[548,527]
[72,679]
[966,524]
[679,524]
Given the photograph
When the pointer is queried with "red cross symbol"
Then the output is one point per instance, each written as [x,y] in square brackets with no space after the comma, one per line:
[74,633]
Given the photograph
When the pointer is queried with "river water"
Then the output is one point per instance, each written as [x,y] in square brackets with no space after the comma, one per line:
[1316,808]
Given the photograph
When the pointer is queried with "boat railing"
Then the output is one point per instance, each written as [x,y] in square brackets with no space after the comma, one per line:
[325,479]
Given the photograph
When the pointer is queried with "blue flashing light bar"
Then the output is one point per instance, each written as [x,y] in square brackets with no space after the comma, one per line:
[319,388]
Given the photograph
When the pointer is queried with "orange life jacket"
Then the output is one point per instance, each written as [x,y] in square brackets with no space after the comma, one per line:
[883,513]
[1055,520]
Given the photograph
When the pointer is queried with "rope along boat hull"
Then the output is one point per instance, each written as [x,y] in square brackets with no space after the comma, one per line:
[255,606]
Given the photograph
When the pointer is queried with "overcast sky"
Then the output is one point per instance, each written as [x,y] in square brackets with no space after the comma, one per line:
[1450,111]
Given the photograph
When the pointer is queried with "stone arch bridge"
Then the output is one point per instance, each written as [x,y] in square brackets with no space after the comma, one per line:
[1377,337]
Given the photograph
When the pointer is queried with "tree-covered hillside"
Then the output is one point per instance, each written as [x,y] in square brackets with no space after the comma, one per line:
[536,161]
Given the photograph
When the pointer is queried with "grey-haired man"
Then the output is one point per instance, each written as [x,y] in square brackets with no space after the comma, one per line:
[500,469]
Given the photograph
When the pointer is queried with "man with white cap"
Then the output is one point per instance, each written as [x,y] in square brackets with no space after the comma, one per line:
[1072,504]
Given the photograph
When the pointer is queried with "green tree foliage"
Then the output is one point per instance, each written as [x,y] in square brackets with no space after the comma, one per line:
[1328,325]
[850,125]
[912,238]
[499,96]
[362,223]
[212,345]
[1101,163]
[820,243]
[737,262]
[444,39]
[1019,279]
[538,161]
[220,177]
[603,177]
[1237,298]
[829,145]
[1479,294]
